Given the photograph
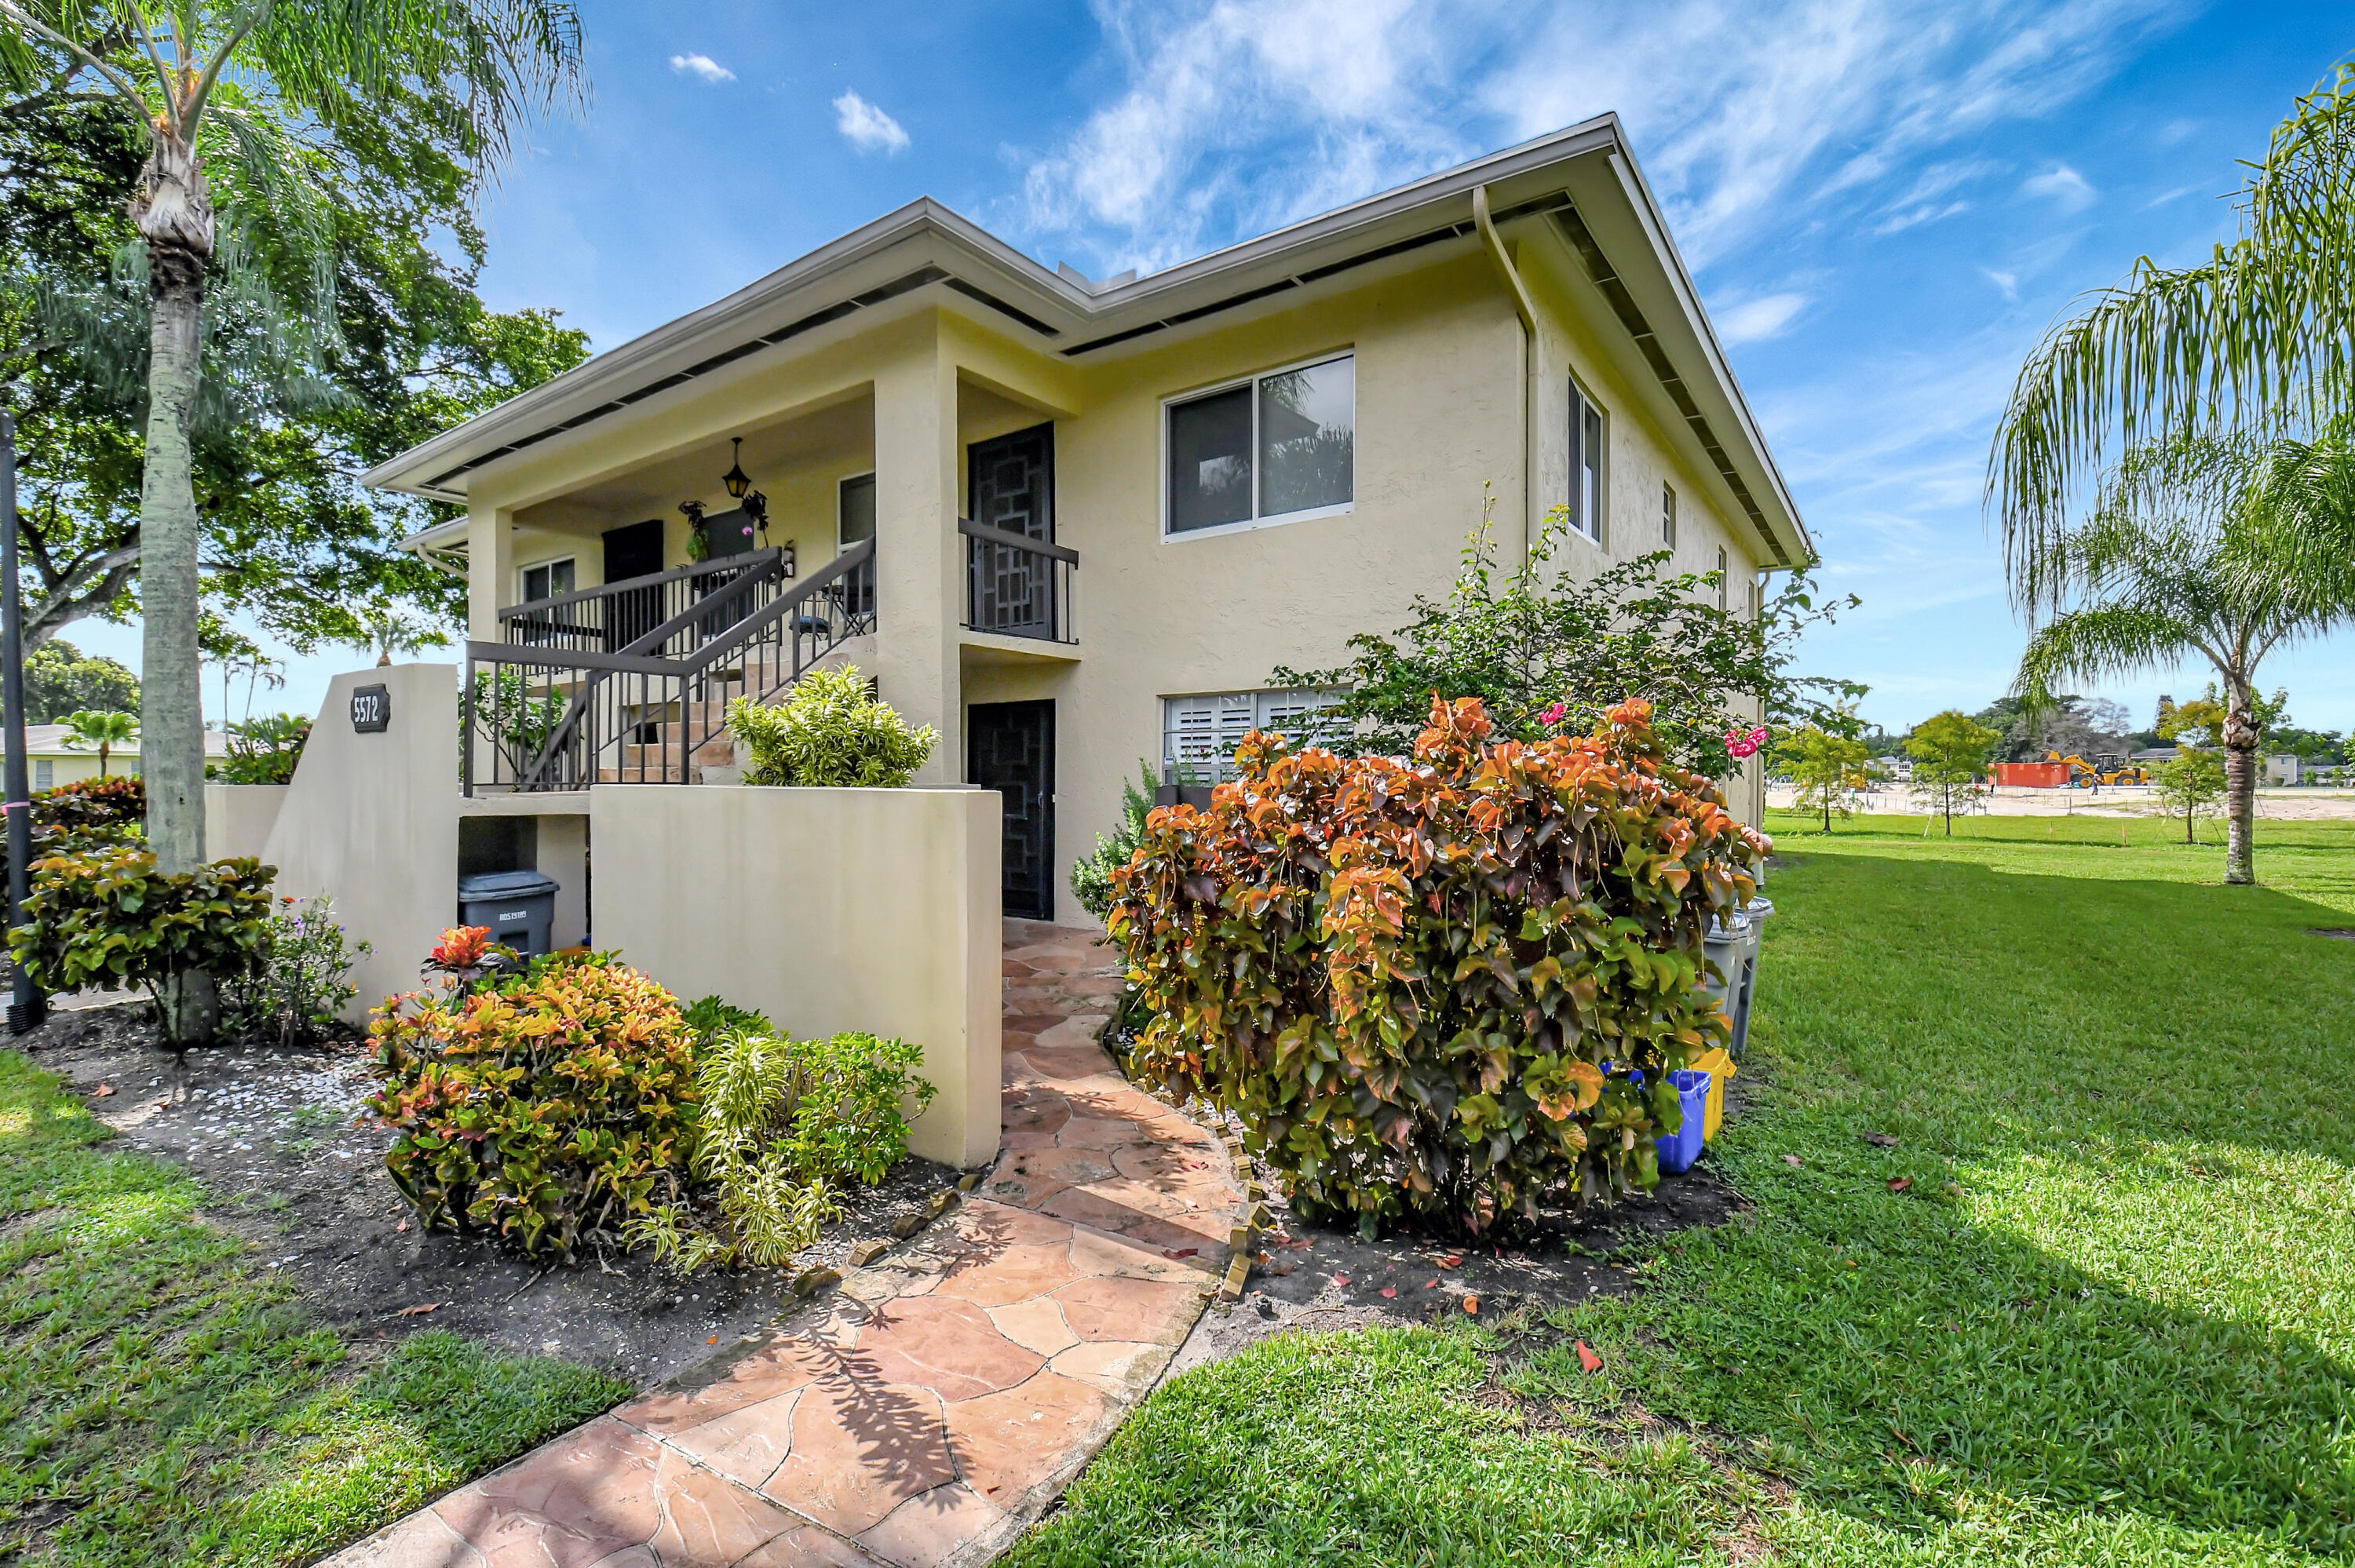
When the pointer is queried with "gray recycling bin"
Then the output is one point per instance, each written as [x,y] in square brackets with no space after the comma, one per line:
[1758,911]
[519,906]
[1726,946]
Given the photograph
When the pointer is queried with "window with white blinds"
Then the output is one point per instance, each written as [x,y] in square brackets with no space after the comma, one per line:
[1200,733]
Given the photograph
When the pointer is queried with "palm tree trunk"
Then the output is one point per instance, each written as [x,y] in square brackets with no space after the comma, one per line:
[174,213]
[171,703]
[2240,782]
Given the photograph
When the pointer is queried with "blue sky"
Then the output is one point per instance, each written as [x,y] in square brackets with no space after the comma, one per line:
[1885,203]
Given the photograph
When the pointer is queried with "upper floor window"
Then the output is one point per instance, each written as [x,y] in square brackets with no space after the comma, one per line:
[1720,577]
[1585,464]
[1276,447]
[1669,515]
[547,579]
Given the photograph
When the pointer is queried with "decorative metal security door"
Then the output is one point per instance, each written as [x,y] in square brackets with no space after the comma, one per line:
[1011,749]
[1011,480]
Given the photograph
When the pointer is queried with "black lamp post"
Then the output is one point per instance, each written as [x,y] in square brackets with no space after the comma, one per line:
[26,1006]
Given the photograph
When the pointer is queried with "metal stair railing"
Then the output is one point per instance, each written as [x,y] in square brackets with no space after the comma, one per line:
[540,718]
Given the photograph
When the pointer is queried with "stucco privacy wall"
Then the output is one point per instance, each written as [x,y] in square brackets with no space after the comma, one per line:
[238,818]
[827,910]
[371,821]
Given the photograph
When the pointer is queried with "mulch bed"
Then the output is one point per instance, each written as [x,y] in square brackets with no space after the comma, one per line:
[296,1168]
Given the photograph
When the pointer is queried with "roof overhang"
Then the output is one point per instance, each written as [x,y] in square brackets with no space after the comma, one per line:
[924,254]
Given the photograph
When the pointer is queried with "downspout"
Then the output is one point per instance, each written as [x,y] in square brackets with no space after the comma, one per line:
[1528,315]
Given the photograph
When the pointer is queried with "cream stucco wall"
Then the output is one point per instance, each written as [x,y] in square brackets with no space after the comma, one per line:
[828,910]
[238,818]
[371,821]
[1439,428]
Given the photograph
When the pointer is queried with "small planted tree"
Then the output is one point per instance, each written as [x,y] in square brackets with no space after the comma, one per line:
[1950,752]
[1829,769]
[2190,784]
[1440,990]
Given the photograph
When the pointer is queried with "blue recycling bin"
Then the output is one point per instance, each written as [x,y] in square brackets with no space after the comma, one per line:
[1682,1147]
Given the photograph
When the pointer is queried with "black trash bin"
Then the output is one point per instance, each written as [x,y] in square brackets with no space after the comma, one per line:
[519,906]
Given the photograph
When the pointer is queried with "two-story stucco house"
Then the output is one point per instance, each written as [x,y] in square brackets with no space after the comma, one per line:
[1074,524]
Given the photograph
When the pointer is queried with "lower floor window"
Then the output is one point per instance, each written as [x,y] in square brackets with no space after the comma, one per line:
[45,775]
[1200,733]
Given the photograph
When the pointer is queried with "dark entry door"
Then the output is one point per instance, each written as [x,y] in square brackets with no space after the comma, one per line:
[1011,748]
[636,551]
[1011,481]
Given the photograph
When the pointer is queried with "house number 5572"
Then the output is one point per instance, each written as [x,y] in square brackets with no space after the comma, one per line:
[371,709]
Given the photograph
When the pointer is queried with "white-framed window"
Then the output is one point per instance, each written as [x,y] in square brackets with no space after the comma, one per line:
[547,579]
[1720,577]
[854,513]
[1200,733]
[1669,515]
[1587,446]
[44,774]
[1276,447]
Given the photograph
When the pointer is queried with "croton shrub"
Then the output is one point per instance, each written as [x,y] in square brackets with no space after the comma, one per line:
[107,919]
[546,1105]
[1439,990]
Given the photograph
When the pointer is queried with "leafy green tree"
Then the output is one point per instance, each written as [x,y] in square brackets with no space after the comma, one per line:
[2158,574]
[60,679]
[104,731]
[2190,785]
[1950,752]
[239,104]
[1546,650]
[1828,769]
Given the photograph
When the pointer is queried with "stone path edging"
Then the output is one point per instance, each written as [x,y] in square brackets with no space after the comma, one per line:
[948,1392]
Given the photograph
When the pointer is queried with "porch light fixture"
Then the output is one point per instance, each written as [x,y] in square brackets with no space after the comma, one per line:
[737,481]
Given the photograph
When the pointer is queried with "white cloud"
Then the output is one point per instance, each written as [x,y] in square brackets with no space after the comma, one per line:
[1754,321]
[2063,185]
[702,66]
[866,127]
[2006,281]
[1240,115]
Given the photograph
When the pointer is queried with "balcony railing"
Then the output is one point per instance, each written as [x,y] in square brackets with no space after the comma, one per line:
[550,709]
[1019,586]
[614,617]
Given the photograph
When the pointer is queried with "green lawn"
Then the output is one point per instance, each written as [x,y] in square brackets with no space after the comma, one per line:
[2112,1320]
[162,1403]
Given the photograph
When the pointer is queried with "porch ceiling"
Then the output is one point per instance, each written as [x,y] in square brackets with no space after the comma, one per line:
[825,436]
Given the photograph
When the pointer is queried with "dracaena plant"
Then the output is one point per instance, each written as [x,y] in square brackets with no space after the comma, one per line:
[1427,986]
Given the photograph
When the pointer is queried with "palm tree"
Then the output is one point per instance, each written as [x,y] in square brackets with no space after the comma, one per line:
[2179,558]
[235,92]
[389,631]
[2259,339]
[103,730]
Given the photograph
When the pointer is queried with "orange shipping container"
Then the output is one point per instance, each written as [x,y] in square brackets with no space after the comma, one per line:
[2032,775]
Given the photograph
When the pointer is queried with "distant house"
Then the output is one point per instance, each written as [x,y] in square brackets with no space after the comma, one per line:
[2150,754]
[55,763]
[2281,770]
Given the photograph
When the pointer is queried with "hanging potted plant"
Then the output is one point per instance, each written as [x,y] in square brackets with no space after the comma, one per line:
[698,537]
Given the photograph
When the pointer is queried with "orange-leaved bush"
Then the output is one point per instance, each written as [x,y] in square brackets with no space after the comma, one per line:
[1425,986]
[545,1106]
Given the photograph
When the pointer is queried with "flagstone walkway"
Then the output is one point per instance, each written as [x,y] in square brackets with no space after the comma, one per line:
[947,1392]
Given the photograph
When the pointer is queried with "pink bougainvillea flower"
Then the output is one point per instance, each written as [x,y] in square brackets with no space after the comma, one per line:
[1741,745]
[1554,714]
